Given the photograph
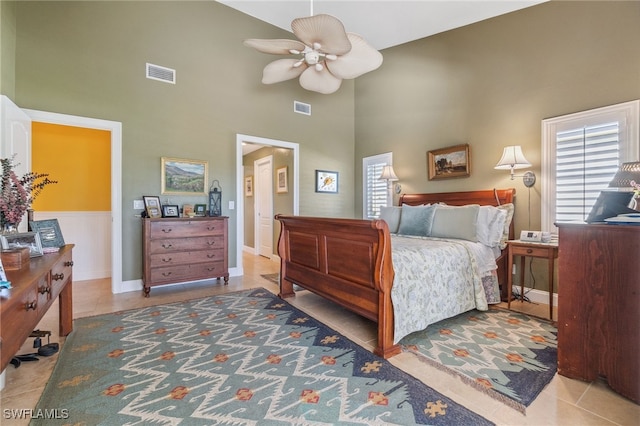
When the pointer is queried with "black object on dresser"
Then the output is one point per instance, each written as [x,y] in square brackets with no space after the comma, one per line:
[599,305]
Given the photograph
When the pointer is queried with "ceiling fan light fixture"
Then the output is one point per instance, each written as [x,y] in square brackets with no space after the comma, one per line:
[324,44]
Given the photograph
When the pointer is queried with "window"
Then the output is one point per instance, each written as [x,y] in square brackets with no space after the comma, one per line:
[581,153]
[376,193]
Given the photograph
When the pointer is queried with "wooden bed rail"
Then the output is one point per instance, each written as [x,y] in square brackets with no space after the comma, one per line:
[347,261]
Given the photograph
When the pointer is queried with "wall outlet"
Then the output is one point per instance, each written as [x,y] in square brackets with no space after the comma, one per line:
[138,205]
[232,205]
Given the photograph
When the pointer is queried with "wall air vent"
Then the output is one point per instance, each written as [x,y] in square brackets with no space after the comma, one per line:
[302,108]
[156,72]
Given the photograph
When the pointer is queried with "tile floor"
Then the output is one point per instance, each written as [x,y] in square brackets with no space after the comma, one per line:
[562,402]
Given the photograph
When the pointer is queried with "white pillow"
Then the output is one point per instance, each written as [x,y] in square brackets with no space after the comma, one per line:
[509,208]
[391,215]
[455,222]
[490,225]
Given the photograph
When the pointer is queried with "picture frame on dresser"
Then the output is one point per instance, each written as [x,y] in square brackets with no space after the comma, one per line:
[200,210]
[170,210]
[49,231]
[152,206]
[23,239]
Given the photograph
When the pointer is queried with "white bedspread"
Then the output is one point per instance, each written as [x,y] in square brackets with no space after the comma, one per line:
[436,279]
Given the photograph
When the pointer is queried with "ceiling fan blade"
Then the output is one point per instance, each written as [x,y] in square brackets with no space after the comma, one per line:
[326,30]
[319,81]
[360,60]
[275,46]
[282,70]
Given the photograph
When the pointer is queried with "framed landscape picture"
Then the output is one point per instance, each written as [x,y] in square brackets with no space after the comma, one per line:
[451,162]
[186,177]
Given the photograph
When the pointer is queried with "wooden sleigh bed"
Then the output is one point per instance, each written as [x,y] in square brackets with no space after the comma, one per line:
[349,261]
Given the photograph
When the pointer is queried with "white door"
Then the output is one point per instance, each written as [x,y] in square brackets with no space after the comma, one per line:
[15,139]
[264,206]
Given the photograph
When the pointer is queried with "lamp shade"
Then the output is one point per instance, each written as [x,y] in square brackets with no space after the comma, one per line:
[626,173]
[512,158]
[388,174]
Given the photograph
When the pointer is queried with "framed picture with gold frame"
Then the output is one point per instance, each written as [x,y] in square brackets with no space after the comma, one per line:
[450,162]
[185,177]
[281,180]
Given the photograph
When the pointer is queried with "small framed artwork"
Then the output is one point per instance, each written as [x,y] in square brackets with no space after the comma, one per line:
[49,232]
[281,180]
[326,181]
[184,176]
[248,186]
[187,210]
[170,210]
[451,162]
[24,239]
[200,209]
[152,205]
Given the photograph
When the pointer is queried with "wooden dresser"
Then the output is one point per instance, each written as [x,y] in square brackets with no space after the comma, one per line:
[178,250]
[34,289]
[599,305]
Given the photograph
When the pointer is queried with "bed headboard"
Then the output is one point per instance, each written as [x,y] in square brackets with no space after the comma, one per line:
[491,197]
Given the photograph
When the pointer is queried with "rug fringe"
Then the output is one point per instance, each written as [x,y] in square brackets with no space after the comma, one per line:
[468,381]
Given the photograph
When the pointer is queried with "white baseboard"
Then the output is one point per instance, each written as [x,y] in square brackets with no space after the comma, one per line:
[136,285]
[538,296]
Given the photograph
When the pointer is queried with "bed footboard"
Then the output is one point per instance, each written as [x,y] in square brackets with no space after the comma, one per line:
[347,261]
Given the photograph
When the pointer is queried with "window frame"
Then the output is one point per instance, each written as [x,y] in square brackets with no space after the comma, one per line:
[627,114]
[386,159]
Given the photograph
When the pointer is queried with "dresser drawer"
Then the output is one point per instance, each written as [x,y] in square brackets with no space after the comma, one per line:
[186,244]
[16,322]
[181,229]
[60,274]
[179,273]
[186,257]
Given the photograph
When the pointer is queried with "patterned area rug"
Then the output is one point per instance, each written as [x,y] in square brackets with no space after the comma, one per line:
[245,358]
[510,356]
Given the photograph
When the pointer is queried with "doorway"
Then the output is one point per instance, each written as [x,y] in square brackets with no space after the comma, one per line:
[115,129]
[240,200]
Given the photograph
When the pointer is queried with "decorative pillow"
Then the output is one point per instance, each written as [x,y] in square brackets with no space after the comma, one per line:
[490,225]
[416,220]
[509,208]
[391,215]
[455,222]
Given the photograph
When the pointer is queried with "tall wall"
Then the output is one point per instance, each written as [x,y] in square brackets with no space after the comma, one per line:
[88,59]
[489,85]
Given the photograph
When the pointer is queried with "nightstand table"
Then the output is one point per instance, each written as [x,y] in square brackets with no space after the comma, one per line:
[525,249]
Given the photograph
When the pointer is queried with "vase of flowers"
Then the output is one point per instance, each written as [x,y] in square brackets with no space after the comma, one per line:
[17,194]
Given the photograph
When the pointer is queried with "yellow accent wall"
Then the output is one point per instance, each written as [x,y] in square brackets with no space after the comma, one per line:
[80,160]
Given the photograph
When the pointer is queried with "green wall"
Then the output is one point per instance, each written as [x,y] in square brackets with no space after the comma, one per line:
[489,85]
[88,59]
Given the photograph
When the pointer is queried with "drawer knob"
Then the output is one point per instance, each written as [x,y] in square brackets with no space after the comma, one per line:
[166,274]
[167,246]
[211,256]
[211,228]
[68,263]
[529,251]
[211,243]
[167,259]
[166,230]
[31,305]
[57,277]
[44,289]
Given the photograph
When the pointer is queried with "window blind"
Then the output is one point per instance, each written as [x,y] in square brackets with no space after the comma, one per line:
[587,158]
[376,193]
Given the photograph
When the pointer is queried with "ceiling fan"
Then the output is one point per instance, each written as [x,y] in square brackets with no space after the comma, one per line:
[326,54]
